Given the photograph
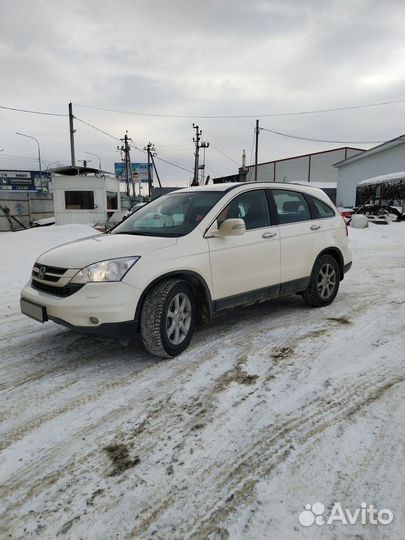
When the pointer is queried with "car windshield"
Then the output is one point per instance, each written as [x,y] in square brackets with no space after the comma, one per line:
[175,214]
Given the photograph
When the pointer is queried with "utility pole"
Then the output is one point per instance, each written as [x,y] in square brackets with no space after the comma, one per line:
[150,148]
[129,180]
[156,171]
[198,145]
[198,133]
[257,130]
[202,167]
[72,135]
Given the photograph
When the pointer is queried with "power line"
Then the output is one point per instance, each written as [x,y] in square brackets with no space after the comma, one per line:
[171,163]
[225,155]
[317,140]
[161,159]
[138,113]
[131,145]
[97,129]
[32,112]
[212,170]
[195,116]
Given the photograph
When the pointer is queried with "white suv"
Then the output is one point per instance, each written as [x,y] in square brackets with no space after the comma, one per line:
[186,256]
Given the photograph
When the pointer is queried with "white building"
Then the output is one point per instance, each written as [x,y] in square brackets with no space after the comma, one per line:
[82,195]
[383,159]
[315,167]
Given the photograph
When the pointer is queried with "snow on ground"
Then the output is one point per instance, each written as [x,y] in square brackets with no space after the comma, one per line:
[271,408]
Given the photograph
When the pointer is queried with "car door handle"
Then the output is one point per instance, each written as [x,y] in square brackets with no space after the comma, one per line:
[269,235]
[315,227]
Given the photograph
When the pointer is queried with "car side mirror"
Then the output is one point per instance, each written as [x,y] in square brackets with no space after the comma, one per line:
[231,227]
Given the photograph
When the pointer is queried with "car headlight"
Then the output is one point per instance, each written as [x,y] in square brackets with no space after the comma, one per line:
[110,270]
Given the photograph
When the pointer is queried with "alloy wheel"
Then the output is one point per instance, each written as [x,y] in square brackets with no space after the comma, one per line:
[326,282]
[178,318]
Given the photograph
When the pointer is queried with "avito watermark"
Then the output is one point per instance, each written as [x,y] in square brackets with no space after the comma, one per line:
[367,514]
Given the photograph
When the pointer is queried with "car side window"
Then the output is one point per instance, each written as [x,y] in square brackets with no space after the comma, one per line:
[291,206]
[251,206]
[322,209]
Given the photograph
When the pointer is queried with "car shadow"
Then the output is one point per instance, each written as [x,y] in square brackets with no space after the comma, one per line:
[61,349]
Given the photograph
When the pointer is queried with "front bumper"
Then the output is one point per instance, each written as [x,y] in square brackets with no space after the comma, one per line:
[106,303]
[127,330]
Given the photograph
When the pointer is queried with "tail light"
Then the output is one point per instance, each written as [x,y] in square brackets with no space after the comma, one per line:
[345,222]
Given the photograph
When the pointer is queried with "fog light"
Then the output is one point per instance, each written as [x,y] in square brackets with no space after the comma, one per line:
[94,320]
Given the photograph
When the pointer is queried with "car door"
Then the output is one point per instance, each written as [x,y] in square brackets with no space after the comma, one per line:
[330,222]
[250,262]
[301,236]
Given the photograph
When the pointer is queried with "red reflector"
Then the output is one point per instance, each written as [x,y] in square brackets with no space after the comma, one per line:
[345,216]
[347,230]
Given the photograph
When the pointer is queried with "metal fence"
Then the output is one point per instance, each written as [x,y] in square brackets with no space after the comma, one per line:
[26,207]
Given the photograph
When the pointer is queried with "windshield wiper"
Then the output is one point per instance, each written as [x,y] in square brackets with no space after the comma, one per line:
[138,233]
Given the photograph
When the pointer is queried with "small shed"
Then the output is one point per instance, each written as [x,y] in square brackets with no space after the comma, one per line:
[382,190]
[84,195]
[386,158]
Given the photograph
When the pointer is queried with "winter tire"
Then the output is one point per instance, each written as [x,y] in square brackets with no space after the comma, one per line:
[324,282]
[168,318]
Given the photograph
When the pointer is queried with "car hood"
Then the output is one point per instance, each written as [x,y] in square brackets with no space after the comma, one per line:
[81,253]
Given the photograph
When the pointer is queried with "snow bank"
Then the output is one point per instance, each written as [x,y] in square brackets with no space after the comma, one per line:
[19,251]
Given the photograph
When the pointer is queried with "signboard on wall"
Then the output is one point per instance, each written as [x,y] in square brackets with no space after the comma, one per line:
[139,171]
[17,180]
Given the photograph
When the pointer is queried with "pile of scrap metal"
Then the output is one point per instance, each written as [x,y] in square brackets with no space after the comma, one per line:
[14,223]
[382,196]
[381,215]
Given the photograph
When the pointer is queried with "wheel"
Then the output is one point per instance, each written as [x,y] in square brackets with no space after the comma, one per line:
[168,318]
[324,282]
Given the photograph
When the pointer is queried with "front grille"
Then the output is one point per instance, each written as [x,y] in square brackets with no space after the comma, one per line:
[52,273]
[68,290]
[48,277]
[54,269]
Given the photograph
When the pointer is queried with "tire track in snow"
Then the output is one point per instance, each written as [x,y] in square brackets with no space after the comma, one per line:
[233,482]
[245,333]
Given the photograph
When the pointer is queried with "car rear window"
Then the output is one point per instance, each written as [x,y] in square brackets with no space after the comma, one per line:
[291,206]
[322,209]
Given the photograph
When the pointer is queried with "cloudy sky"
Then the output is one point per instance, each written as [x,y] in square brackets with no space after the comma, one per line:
[188,59]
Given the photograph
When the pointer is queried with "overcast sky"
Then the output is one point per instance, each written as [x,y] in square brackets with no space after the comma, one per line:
[198,58]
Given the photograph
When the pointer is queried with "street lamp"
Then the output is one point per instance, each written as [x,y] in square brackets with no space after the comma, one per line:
[39,149]
[84,161]
[48,164]
[98,157]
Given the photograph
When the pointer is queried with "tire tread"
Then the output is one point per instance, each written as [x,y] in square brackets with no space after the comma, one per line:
[151,317]
[310,295]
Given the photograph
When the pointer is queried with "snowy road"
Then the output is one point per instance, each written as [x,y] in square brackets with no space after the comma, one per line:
[272,407]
